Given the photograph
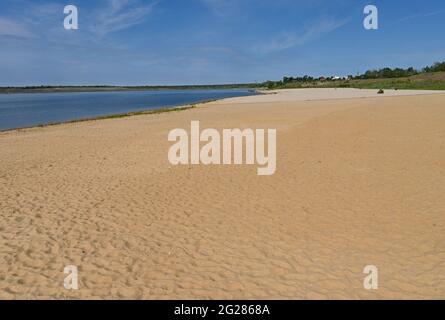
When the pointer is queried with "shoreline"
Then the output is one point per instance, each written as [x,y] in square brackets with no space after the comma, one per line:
[105,117]
[240,100]
[181,107]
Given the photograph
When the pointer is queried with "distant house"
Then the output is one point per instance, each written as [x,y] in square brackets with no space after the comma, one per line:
[323,79]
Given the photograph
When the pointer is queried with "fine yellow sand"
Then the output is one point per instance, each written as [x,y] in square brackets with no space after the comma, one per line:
[359,181]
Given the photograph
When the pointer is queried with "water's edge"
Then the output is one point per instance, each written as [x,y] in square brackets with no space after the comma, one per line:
[157,110]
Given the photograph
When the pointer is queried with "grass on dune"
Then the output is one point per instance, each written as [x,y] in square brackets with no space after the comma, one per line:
[407,84]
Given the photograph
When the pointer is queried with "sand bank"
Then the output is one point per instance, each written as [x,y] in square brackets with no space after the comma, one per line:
[359,181]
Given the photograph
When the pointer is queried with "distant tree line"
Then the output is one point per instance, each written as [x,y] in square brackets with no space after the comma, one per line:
[437,67]
[298,79]
[306,80]
[388,73]
[383,73]
[98,88]
[399,72]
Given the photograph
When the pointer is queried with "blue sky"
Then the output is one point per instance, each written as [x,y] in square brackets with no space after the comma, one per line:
[144,42]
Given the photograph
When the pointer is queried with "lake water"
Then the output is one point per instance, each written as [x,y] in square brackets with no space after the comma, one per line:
[31,109]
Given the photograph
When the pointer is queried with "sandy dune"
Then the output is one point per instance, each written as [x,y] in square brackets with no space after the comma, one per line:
[359,181]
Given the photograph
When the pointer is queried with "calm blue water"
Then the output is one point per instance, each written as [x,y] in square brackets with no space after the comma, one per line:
[30,109]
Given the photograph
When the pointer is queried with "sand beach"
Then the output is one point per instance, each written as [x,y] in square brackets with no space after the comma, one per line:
[360,180]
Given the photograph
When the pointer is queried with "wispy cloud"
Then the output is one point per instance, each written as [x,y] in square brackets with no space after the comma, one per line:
[121,15]
[44,19]
[289,40]
[14,28]
[422,15]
